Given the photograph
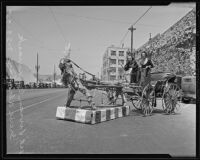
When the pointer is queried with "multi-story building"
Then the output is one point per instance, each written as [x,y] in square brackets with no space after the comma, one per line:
[114,59]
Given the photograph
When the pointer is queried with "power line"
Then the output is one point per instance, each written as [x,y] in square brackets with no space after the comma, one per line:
[124,37]
[60,29]
[101,19]
[106,20]
[142,15]
[23,28]
[32,44]
[135,23]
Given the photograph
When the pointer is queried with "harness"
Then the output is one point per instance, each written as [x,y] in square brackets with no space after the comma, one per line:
[67,70]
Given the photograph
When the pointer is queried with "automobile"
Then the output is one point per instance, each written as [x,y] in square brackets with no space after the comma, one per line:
[41,85]
[9,83]
[19,84]
[27,86]
[33,85]
[53,85]
[45,85]
[189,88]
[49,85]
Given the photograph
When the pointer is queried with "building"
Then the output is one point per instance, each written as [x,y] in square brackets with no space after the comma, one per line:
[113,60]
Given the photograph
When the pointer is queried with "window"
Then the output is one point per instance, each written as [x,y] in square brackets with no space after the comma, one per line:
[121,53]
[120,70]
[112,61]
[121,62]
[120,77]
[113,53]
[112,78]
[112,69]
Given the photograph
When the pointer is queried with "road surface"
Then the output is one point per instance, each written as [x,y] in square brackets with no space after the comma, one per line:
[33,128]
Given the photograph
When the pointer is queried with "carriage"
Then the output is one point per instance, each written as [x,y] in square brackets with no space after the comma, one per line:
[143,95]
[163,85]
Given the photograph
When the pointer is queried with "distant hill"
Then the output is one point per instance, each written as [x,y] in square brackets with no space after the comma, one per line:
[19,72]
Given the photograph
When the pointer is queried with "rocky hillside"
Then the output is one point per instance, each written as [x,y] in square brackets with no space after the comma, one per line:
[19,72]
[175,49]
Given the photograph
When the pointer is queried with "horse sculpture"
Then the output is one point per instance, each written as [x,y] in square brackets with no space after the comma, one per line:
[71,80]
[77,83]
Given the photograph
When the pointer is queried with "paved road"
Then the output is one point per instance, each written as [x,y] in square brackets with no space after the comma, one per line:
[36,130]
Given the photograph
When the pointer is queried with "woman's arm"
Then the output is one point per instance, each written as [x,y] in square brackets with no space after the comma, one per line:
[126,67]
[151,64]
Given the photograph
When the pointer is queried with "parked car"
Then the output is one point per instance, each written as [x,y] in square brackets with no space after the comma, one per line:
[19,84]
[189,88]
[53,85]
[49,85]
[40,85]
[45,85]
[10,83]
[27,86]
[33,85]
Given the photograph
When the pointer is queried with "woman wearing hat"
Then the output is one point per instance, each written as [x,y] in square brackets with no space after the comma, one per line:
[145,65]
[131,63]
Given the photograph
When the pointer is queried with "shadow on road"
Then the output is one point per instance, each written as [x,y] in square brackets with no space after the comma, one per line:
[155,111]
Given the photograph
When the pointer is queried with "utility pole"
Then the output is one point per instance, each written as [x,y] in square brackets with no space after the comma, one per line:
[150,36]
[54,74]
[37,67]
[132,29]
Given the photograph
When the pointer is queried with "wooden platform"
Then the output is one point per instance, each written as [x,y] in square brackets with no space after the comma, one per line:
[92,116]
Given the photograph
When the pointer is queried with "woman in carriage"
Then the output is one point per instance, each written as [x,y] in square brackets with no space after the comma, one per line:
[145,69]
[131,63]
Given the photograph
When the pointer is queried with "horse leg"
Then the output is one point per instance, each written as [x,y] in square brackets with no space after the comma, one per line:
[124,100]
[86,92]
[71,93]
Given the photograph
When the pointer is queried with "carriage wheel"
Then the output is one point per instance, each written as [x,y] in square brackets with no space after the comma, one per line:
[136,101]
[109,98]
[147,100]
[171,98]
[134,96]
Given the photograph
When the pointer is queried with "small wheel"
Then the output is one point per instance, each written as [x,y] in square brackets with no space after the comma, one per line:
[172,98]
[134,96]
[136,101]
[110,97]
[148,99]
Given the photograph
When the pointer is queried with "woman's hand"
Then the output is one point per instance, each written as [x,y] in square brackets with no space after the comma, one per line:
[148,67]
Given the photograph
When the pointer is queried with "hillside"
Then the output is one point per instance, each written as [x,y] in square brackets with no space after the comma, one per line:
[19,72]
[174,50]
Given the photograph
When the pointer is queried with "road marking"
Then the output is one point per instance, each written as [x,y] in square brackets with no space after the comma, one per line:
[33,104]
[29,97]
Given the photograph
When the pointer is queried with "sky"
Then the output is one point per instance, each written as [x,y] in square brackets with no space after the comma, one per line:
[88,30]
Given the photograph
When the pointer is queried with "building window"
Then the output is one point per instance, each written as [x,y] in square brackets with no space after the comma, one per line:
[121,53]
[112,69]
[112,61]
[120,77]
[113,53]
[121,62]
[112,78]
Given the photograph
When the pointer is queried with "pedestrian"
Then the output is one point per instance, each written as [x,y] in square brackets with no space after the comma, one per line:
[131,63]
